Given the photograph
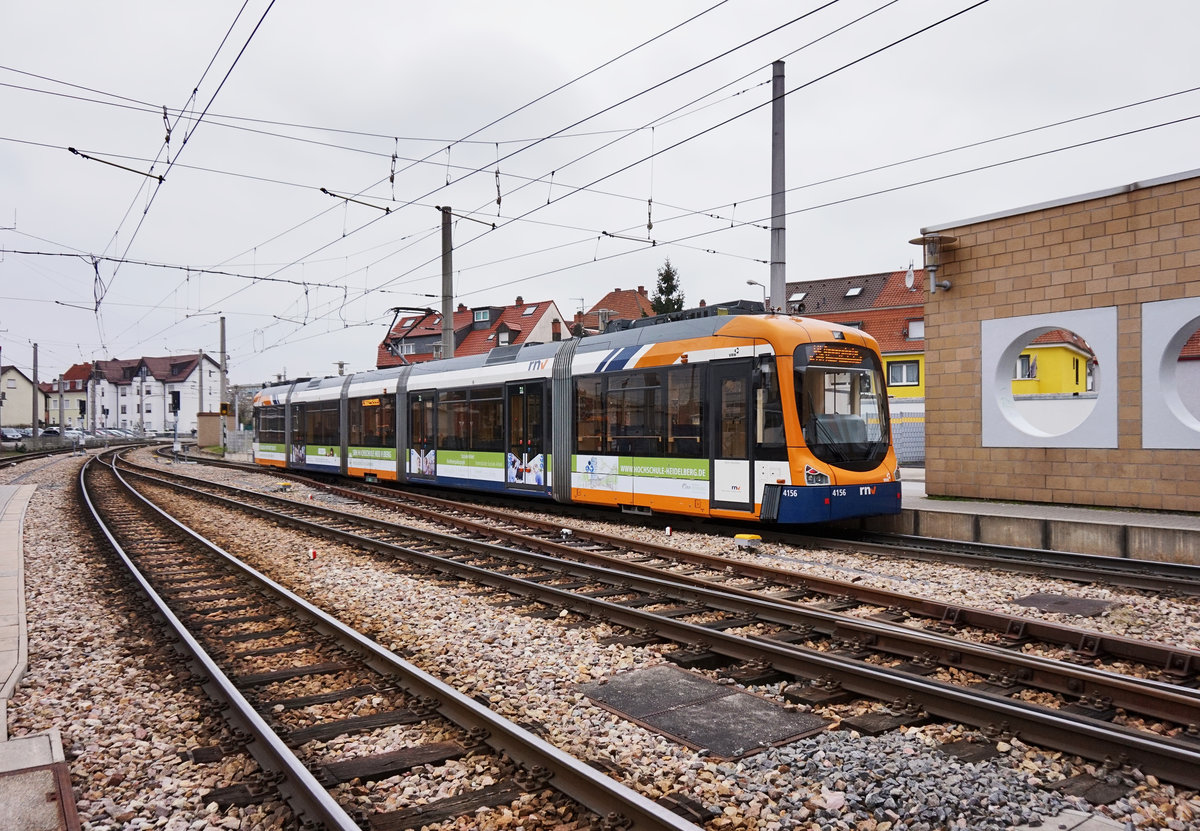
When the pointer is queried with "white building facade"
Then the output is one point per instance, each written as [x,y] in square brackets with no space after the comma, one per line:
[148,394]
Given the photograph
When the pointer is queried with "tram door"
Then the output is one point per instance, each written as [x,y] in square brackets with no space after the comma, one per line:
[422,458]
[297,446]
[729,390]
[526,458]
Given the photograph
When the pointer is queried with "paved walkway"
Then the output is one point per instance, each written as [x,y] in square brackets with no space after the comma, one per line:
[35,789]
[14,651]
[912,486]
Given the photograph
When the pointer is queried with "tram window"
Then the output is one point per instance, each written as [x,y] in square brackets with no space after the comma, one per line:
[420,420]
[387,422]
[770,440]
[321,424]
[487,418]
[452,420]
[270,425]
[685,412]
[636,415]
[298,424]
[356,438]
[843,404]
[733,433]
[589,415]
[372,422]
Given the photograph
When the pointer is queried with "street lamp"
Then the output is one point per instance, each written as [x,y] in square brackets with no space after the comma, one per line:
[933,245]
[764,291]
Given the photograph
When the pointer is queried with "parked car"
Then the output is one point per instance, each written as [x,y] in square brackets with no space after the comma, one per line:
[10,434]
[73,435]
[50,431]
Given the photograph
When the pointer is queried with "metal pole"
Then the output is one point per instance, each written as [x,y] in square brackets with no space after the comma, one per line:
[447,286]
[778,192]
[35,393]
[60,405]
[224,383]
[200,409]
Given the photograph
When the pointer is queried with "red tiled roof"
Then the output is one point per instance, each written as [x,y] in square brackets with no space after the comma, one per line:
[883,309]
[468,340]
[888,326]
[1063,336]
[875,291]
[1191,349]
[124,371]
[620,304]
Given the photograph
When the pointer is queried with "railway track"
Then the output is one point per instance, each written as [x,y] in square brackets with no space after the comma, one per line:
[1175,665]
[1173,578]
[830,653]
[249,638]
[1160,577]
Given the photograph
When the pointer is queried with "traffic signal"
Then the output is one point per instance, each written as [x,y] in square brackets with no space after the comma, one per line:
[224,408]
[174,401]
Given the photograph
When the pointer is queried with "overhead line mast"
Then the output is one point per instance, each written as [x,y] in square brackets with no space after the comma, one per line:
[778,192]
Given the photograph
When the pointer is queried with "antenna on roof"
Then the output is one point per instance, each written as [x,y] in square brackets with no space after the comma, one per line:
[910,278]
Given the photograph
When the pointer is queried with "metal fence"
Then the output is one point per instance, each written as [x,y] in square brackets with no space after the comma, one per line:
[908,429]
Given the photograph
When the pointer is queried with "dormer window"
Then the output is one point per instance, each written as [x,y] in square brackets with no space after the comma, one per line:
[504,337]
[482,315]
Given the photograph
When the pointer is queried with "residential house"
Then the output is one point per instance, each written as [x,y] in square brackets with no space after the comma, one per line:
[890,307]
[17,396]
[417,337]
[150,394]
[618,304]
[1058,363]
[1188,375]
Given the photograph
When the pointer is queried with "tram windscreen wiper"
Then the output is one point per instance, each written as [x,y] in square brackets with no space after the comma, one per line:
[824,435]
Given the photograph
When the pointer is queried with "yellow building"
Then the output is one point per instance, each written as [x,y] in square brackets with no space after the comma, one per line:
[1056,363]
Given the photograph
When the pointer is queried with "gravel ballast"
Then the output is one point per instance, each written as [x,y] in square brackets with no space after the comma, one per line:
[125,713]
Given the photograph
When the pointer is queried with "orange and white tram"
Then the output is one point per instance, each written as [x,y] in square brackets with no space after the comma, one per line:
[771,417]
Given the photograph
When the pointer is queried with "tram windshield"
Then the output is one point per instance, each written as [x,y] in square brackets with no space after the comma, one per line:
[842,403]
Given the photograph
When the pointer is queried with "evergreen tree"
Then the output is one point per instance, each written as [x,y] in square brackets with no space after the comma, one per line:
[667,295]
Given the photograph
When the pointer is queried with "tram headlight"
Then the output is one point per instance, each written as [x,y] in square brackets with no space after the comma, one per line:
[812,476]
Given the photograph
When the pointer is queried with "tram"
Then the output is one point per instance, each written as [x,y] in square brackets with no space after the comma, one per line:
[769,417]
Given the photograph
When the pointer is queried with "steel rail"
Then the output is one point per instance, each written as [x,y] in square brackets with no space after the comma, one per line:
[1169,759]
[1175,660]
[1146,575]
[308,798]
[569,775]
[1149,575]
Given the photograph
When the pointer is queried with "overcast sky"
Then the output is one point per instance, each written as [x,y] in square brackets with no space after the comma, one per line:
[597,118]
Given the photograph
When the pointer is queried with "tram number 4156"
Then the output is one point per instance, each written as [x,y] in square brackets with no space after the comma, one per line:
[838,492]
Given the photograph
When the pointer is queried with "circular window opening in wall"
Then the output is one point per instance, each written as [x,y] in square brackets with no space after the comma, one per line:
[1171,374]
[1016,351]
[1187,371]
[1054,384]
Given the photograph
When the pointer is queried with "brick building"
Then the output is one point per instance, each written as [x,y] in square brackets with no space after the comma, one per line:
[1120,269]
